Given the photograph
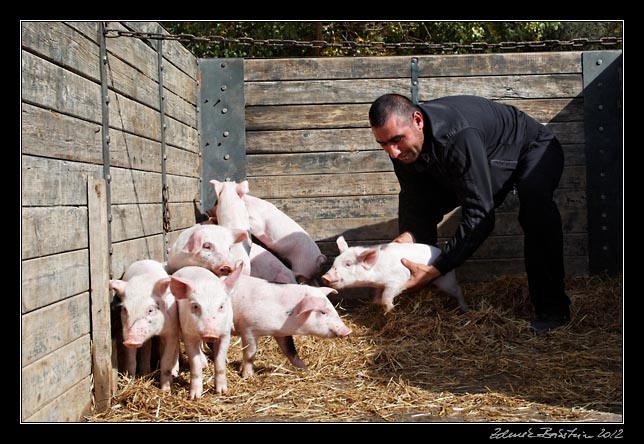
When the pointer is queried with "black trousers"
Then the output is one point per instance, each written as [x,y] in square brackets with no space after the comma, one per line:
[537,177]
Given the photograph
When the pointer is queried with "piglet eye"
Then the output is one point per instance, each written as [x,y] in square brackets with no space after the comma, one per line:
[221,307]
[347,264]
[150,310]
[323,312]
[207,246]
[195,307]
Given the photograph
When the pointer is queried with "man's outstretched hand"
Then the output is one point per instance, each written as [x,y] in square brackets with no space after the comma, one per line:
[421,274]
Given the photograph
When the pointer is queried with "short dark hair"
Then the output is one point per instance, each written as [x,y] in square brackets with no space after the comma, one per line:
[388,104]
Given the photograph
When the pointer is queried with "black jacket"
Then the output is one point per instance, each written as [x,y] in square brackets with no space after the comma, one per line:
[471,150]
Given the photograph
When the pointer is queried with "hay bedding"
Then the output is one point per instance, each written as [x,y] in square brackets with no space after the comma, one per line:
[424,362]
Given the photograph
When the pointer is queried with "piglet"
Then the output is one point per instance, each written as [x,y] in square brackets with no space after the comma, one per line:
[285,237]
[231,212]
[205,315]
[207,246]
[379,267]
[262,308]
[148,309]
[265,265]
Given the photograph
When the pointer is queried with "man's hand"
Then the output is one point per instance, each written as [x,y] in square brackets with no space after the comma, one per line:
[421,274]
[405,238]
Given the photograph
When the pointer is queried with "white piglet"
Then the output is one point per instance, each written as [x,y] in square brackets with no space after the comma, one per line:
[207,246]
[285,237]
[205,315]
[148,309]
[380,267]
[263,308]
[231,212]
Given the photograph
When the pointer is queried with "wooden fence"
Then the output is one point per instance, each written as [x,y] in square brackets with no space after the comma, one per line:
[309,150]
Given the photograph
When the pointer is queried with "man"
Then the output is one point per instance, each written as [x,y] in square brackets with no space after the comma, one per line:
[470,152]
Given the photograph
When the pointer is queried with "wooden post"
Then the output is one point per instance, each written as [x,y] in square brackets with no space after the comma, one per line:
[105,375]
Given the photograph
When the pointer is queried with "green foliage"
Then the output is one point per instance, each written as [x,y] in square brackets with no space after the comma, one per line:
[367,32]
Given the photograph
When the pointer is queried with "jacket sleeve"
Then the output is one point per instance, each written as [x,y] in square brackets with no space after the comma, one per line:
[466,165]
[415,211]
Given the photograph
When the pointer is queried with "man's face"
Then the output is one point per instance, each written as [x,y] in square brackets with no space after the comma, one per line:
[401,137]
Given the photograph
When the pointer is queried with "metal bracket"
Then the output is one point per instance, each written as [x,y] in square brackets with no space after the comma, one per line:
[414,80]
[602,77]
[105,131]
[222,137]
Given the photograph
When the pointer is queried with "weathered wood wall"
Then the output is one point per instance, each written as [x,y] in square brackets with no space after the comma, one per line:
[311,152]
[61,149]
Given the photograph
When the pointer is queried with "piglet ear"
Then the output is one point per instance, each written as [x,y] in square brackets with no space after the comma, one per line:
[180,287]
[308,304]
[162,286]
[242,188]
[239,235]
[230,281]
[118,286]
[218,186]
[328,290]
[194,243]
[342,244]
[368,258]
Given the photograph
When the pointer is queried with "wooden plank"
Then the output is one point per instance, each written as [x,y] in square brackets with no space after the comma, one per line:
[58,89]
[319,163]
[386,206]
[297,117]
[290,141]
[500,64]
[50,279]
[321,91]
[126,252]
[183,214]
[312,185]
[330,165]
[357,139]
[46,379]
[51,230]
[105,376]
[399,66]
[141,56]
[367,90]
[551,110]
[504,87]
[54,326]
[183,189]
[51,182]
[134,117]
[351,184]
[70,406]
[129,81]
[133,186]
[62,45]
[51,134]
[136,220]
[182,162]
[173,51]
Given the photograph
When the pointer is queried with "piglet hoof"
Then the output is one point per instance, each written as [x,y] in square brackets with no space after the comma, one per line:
[221,390]
[297,362]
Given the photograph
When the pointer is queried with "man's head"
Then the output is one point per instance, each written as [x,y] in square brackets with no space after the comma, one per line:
[397,124]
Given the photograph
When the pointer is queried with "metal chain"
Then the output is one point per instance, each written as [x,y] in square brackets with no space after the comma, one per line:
[166,209]
[574,44]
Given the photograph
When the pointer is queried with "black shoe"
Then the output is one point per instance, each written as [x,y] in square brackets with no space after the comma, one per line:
[547,322]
